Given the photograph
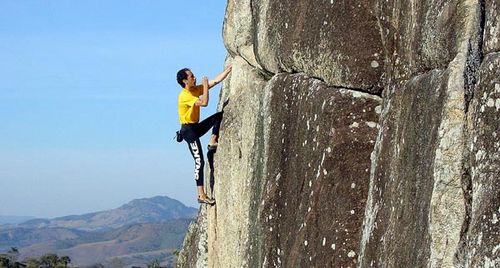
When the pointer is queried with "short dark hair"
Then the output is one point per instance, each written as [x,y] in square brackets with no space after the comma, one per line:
[181,75]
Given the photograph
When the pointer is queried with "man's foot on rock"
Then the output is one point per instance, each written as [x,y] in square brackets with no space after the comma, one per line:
[212,147]
[206,200]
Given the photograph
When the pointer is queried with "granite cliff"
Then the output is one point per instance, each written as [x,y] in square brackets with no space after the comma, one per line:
[356,134]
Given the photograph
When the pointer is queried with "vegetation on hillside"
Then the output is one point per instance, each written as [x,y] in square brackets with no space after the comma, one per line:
[9,260]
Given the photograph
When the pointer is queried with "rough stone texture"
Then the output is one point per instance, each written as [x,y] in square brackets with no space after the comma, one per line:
[238,30]
[418,157]
[482,242]
[320,139]
[397,217]
[337,41]
[238,169]
[492,26]
[419,36]
[292,168]
[194,249]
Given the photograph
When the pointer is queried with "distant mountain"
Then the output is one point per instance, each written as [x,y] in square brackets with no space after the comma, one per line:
[134,234]
[4,219]
[146,210]
[22,237]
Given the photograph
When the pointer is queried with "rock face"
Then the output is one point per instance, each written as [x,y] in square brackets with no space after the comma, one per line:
[357,134]
[317,171]
[194,249]
[481,242]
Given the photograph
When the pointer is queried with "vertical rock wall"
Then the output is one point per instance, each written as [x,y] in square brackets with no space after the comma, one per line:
[481,241]
[317,171]
[357,134]
[416,198]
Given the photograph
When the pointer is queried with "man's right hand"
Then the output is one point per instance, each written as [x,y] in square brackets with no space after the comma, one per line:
[203,102]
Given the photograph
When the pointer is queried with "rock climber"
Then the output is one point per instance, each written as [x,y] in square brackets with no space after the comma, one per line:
[191,98]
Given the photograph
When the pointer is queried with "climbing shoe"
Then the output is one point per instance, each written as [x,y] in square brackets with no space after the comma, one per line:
[206,200]
[212,147]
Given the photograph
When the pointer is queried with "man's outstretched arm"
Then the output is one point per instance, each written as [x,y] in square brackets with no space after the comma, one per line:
[219,77]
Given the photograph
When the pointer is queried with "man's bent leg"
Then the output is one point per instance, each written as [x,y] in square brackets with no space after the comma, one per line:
[211,121]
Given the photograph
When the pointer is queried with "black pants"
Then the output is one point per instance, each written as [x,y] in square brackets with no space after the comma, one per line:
[191,133]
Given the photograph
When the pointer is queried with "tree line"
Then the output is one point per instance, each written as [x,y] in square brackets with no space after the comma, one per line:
[9,260]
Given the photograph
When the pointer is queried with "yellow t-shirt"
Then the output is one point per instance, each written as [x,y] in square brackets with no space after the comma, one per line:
[188,112]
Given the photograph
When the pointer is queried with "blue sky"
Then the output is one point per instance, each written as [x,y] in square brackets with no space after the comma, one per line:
[88,100]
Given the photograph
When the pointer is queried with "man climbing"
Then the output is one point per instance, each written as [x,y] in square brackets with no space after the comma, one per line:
[191,98]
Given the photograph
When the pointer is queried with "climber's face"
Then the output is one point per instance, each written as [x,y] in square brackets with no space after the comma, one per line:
[190,81]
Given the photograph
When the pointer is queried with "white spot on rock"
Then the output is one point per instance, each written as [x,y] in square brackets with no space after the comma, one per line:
[371,124]
[479,155]
[333,246]
[354,125]
[353,185]
[374,64]
[324,241]
[495,249]
[351,254]
[305,243]
[490,103]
